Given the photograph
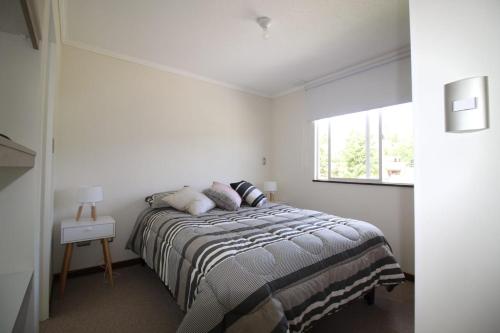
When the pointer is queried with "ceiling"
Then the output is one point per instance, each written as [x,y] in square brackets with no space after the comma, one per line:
[220,40]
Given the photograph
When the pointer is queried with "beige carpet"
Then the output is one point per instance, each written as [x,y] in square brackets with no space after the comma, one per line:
[140,303]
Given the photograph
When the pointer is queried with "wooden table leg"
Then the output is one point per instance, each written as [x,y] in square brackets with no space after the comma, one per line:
[79,213]
[104,254]
[107,260]
[65,267]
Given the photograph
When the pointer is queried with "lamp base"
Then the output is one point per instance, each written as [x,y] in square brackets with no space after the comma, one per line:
[93,212]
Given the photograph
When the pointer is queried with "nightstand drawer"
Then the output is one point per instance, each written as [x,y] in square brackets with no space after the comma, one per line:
[87,232]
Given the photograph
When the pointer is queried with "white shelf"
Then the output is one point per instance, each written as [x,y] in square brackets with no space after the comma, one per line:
[14,155]
[13,289]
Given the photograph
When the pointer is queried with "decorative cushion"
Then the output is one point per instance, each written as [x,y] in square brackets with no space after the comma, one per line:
[154,200]
[223,196]
[252,195]
[189,200]
[200,206]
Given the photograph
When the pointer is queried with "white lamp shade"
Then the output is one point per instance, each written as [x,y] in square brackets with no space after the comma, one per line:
[89,194]
[270,186]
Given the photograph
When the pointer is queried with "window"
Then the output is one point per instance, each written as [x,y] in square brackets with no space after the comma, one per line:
[373,146]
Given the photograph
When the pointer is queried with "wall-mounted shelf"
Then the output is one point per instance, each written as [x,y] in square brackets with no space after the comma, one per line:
[14,155]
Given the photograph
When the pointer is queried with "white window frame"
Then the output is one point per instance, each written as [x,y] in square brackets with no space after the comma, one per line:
[378,181]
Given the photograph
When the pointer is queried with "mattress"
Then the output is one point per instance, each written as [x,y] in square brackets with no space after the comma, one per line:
[270,269]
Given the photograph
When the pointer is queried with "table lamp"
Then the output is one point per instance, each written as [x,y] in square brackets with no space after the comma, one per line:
[270,187]
[88,195]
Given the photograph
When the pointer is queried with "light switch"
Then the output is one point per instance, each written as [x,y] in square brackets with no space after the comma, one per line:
[465,104]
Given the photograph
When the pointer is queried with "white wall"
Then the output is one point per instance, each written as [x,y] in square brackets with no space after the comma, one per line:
[47,184]
[137,130]
[389,208]
[20,119]
[457,184]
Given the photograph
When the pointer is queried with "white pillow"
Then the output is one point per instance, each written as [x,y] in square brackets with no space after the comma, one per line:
[189,200]
[201,205]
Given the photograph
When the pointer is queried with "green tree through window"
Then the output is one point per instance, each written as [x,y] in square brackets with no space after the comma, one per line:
[374,146]
[352,160]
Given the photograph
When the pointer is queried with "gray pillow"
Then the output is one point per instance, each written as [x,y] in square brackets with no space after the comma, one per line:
[222,200]
[154,200]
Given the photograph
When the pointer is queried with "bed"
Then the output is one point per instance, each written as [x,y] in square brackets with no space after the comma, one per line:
[270,269]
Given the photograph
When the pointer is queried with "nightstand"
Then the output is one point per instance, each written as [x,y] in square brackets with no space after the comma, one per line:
[73,231]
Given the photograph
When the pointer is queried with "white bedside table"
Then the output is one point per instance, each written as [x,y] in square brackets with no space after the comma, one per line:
[73,231]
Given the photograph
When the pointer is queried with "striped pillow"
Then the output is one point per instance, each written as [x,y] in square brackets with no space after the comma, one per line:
[252,195]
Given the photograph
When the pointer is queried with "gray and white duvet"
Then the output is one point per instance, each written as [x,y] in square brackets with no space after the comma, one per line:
[269,269]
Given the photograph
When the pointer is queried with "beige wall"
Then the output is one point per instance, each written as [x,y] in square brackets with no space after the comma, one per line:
[457,230]
[137,130]
[389,208]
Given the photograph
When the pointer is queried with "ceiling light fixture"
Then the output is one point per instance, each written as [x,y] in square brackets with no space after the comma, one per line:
[264,22]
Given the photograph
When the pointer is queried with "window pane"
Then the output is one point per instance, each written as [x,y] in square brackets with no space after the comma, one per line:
[322,148]
[397,144]
[348,145]
[355,147]
[374,146]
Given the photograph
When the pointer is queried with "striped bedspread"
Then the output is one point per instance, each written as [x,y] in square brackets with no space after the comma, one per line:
[271,269]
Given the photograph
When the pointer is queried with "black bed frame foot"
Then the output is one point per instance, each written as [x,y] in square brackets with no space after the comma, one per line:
[370,297]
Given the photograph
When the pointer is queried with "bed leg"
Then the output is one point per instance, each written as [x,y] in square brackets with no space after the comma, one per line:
[370,297]
[143,263]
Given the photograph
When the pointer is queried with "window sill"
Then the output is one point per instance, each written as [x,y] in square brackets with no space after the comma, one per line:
[362,183]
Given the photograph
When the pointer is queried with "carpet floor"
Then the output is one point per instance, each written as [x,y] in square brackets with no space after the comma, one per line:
[139,302]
